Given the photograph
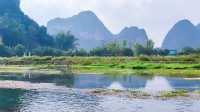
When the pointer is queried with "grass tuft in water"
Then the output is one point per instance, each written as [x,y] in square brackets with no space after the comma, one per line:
[177,93]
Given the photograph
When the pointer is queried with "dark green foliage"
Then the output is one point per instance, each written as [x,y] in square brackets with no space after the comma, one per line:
[81,52]
[11,6]
[127,52]
[19,34]
[188,50]
[161,52]
[139,49]
[115,48]
[5,51]
[47,51]
[20,50]
[65,41]
[144,50]
[17,28]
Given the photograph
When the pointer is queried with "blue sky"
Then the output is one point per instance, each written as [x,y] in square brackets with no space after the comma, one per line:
[155,16]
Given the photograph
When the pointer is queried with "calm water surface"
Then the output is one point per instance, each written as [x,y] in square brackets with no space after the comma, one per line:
[42,93]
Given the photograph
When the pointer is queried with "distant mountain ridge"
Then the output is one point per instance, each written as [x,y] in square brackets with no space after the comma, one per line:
[133,35]
[182,34]
[84,23]
[17,28]
[91,32]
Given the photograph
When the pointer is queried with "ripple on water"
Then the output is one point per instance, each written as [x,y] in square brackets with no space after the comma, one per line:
[77,101]
[49,97]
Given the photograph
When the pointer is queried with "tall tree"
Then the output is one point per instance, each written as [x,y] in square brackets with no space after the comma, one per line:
[65,41]
[20,50]
[144,50]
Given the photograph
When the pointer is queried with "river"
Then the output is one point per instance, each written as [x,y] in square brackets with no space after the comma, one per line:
[68,93]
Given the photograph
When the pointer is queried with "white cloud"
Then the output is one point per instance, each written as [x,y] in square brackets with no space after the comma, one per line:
[156,16]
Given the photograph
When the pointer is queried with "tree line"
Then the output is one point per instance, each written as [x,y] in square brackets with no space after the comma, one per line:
[120,48]
[65,44]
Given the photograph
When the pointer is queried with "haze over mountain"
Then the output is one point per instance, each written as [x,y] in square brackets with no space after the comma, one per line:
[133,35]
[17,28]
[155,16]
[85,26]
[198,27]
[183,34]
[91,32]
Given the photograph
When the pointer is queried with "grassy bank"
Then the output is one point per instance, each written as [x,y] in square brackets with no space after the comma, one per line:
[181,66]
[26,69]
[98,60]
[185,73]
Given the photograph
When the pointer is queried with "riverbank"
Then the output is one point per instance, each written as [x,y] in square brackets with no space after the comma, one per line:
[187,74]
[28,69]
[178,66]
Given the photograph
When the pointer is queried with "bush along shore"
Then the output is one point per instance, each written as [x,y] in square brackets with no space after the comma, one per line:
[179,66]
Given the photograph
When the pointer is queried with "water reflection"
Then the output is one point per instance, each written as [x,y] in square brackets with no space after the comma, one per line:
[179,83]
[105,81]
[134,82]
[78,101]
[158,84]
[116,86]
[67,93]
[67,80]
[87,81]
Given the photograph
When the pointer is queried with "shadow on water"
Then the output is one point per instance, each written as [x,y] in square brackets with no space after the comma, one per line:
[10,99]
[63,79]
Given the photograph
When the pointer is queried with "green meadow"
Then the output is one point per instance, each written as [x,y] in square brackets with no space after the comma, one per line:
[179,66]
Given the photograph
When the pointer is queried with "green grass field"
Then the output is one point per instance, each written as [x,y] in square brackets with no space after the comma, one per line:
[181,66]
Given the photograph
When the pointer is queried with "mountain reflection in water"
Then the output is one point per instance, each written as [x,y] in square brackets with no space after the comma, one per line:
[44,93]
[92,81]
[158,84]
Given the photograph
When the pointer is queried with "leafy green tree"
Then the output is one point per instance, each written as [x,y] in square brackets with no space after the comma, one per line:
[20,50]
[127,52]
[17,28]
[48,51]
[144,50]
[5,51]
[124,43]
[139,49]
[113,48]
[161,52]
[98,51]
[81,52]
[65,41]
[188,50]
[150,44]
[116,48]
